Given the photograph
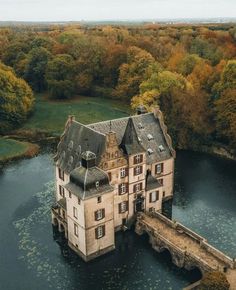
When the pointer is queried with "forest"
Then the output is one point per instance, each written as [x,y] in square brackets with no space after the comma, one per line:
[189,71]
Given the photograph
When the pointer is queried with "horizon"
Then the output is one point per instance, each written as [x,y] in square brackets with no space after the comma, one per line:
[122,10]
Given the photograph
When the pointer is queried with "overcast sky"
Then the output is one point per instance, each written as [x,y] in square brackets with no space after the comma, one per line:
[75,10]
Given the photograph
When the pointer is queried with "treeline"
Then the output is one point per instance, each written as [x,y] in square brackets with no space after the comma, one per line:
[188,70]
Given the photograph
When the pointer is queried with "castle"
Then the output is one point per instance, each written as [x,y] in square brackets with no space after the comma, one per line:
[107,172]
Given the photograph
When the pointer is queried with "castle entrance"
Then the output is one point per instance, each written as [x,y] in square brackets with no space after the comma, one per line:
[139,203]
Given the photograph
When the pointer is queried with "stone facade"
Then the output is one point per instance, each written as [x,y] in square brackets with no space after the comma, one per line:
[105,174]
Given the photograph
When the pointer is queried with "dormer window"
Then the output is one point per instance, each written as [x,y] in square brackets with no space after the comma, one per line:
[70,146]
[71,159]
[150,151]
[161,148]
[140,126]
[78,150]
[97,184]
[150,137]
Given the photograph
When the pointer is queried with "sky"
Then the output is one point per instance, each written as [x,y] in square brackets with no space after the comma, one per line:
[76,10]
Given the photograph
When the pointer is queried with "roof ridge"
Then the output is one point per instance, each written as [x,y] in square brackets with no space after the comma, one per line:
[86,126]
[122,118]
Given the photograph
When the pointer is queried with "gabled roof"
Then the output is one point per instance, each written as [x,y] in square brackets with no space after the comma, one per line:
[152,182]
[130,143]
[78,138]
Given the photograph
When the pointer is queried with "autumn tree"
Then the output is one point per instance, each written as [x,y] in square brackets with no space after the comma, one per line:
[16,99]
[60,76]
[133,72]
[35,68]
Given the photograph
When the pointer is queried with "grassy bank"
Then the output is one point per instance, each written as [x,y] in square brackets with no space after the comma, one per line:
[11,150]
[50,116]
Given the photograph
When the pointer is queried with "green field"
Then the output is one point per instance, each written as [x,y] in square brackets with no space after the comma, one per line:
[51,116]
[11,149]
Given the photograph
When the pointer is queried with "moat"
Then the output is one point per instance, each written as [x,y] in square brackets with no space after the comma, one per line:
[205,199]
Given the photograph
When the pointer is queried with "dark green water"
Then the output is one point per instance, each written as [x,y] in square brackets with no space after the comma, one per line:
[30,259]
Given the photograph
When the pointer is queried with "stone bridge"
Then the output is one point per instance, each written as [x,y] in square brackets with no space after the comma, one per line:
[188,249]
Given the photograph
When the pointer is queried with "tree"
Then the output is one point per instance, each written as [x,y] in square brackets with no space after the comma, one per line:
[214,281]
[133,72]
[225,107]
[35,69]
[16,99]
[60,76]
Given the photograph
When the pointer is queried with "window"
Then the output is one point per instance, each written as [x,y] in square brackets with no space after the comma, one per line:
[71,159]
[100,232]
[109,176]
[123,188]
[150,151]
[69,194]
[164,193]
[75,212]
[138,187]
[138,159]
[61,191]
[78,200]
[99,199]
[99,214]
[161,148]
[150,137]
[159,168]
[63,214]
[140,126]
[97,184]
[123,206]
[76,230]
[61,174]
[70,146]
[153,196]
[138,170]
[161,181]
[123,172]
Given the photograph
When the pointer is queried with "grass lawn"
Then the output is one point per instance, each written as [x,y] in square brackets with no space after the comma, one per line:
[51,116]
[10,149]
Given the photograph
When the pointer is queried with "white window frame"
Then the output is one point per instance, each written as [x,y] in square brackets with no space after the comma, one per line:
[123,206]
[99,214]
[122,188]
[138,170]
[100,232]
[122,172]
[153,196]
[138,187]
[137,158]
[75,212]
[159,167]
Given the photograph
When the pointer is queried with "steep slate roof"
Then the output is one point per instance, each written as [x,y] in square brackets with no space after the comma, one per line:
[83,182]
[130,143]
[78,138]
[144,124]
